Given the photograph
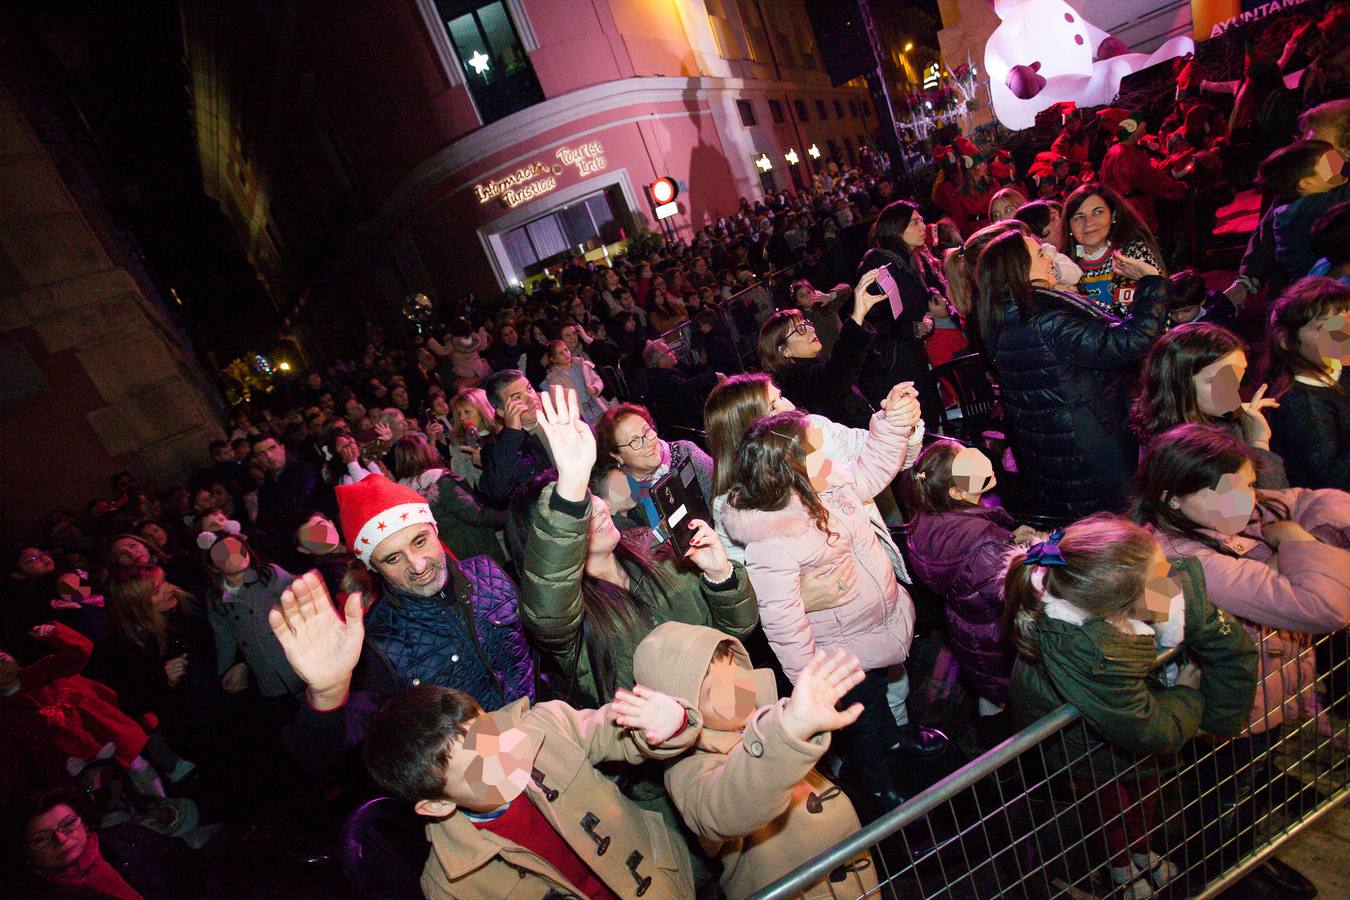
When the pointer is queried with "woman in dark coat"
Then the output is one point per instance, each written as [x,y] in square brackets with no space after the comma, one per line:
[897,353]
[1063,367]
[825,384]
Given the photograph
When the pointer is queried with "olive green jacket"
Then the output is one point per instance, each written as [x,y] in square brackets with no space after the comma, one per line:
[554,615]
[1110,678]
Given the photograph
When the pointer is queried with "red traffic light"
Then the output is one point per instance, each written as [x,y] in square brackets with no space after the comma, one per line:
[664,190]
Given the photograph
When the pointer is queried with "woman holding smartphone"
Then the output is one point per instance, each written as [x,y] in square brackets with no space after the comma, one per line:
[899,240]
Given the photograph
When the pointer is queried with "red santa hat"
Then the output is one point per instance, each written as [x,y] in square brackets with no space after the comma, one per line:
[374,508]
[1118,122]
[1044,165]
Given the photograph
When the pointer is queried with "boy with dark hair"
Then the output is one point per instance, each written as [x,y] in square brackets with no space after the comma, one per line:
[515,793]
[1193,301]
[1305,179]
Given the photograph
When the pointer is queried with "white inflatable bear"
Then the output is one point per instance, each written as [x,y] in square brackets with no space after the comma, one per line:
[1044,52]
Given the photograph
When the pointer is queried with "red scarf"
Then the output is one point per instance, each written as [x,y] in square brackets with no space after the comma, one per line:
[93,873]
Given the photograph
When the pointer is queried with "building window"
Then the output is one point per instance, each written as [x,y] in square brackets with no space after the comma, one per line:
[834,152]
[848,148]
[768,183]
[755,35]
[747,111]
[853,108]
[822,112]
[800,106]
[776,111]
[838,110]
[578,227]
[726,29]
[495,64]
[865,108]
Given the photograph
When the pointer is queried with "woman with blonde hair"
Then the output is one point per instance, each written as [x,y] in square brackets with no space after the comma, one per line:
[1003,205]
[472,420]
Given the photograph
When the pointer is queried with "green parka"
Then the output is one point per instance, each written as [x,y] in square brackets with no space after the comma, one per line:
[554,615]
[1110,678]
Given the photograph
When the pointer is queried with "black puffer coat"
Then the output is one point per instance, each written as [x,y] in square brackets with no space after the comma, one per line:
[1064,376]
[897,354]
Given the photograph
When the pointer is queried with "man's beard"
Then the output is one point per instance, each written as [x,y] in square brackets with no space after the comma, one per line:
[425,589]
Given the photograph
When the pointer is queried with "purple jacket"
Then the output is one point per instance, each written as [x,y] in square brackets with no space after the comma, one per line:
[959,556]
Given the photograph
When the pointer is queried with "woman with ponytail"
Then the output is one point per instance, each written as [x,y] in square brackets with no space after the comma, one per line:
[1081,608]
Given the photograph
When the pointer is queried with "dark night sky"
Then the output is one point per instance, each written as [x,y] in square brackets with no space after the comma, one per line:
[113,74]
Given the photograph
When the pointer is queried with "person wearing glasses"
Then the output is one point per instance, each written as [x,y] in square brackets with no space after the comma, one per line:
[824,383]
[627,435]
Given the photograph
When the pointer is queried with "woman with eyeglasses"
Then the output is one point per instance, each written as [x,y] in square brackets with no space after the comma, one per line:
[627,435]
[63,855]
[826,384]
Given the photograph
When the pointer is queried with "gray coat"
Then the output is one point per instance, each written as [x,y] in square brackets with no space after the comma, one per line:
[239,621]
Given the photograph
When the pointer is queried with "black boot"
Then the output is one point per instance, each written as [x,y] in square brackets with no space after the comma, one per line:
[920,741]
[1286,878]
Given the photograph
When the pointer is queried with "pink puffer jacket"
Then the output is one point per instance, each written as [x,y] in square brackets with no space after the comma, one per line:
[1282,608]
[875,621]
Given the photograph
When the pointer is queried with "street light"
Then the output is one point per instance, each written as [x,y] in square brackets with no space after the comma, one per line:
[909,45]
[814,151]
[764,163]
[791,156]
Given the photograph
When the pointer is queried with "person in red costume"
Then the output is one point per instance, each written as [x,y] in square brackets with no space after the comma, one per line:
[971,210]
[52,713]
[949,180]
[1072,142]
[1128,168]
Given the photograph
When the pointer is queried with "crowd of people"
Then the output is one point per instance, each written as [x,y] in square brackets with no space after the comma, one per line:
[449,570]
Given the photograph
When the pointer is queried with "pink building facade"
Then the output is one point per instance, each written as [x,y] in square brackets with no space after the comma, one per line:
[486,139]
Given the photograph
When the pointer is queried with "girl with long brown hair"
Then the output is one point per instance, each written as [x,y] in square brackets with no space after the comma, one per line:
[795,510]
[1307,348]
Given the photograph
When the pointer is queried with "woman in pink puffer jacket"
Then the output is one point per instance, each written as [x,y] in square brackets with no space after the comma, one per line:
[796,511]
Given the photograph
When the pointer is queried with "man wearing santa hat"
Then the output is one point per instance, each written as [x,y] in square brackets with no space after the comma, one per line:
[435,619]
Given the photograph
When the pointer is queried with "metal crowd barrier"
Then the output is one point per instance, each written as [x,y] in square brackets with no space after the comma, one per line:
[1041,814]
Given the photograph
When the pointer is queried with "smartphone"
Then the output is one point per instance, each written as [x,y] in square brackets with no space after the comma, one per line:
[932,231]
[679,502]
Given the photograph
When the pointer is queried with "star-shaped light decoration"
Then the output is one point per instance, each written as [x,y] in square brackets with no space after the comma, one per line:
[814,151]
[480,62]
[791,156]
[764,163]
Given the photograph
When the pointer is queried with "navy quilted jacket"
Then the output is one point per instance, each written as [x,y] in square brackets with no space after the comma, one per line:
[1064,379]
[467,637]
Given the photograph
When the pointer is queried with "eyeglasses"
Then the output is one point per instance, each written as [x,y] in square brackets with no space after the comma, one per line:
[638,442]
[801,327]
[48,837]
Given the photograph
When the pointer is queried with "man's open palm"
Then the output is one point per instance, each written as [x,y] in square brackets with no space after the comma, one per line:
[320,646]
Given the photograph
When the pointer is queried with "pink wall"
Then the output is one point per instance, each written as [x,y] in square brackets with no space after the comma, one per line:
[684,147]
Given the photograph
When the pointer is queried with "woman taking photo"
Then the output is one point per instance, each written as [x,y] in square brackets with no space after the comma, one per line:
[588,597]
[1060,363]
[1112,245]
[790,351]
[1193,374]
[898,241]
[627,435]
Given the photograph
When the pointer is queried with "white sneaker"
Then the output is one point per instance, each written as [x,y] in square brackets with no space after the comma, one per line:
[1135,881]
[1159,869]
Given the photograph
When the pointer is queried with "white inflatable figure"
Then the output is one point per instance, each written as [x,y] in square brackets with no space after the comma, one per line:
[1044,52]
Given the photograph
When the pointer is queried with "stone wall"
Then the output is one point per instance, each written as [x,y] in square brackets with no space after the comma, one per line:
[94,379]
